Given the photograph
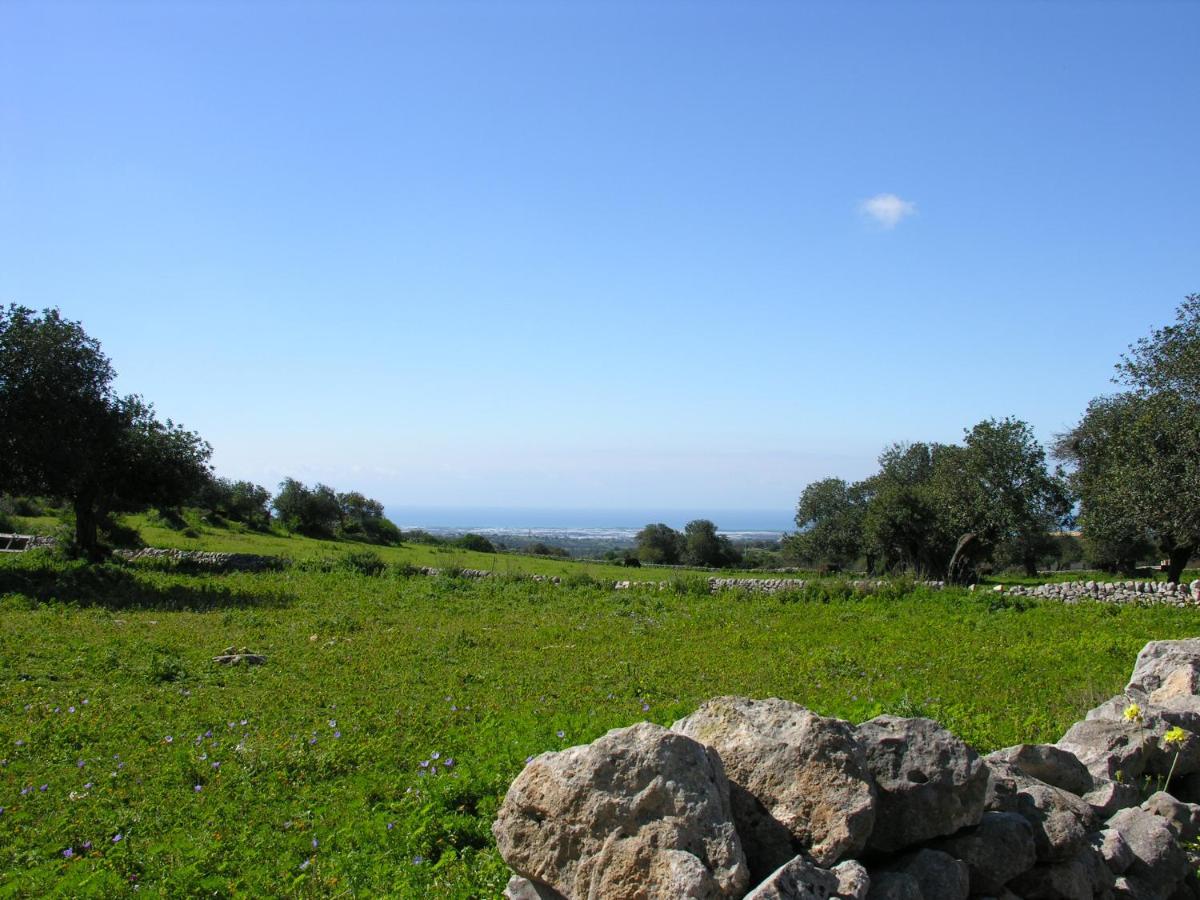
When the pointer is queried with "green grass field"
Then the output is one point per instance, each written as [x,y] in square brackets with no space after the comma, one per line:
[314,775]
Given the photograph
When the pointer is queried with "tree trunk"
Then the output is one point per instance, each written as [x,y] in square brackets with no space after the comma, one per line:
[1177,559]
[85,528]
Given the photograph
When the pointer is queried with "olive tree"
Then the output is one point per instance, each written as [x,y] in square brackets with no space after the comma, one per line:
[65,433]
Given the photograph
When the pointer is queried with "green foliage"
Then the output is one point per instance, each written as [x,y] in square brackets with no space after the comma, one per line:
[311,511]
[475,542]
[925,497]
[1168,361]
[65,433]
[702,546]
[829,519]
[1136,461]
[365,562]
[235,501]
[659,543]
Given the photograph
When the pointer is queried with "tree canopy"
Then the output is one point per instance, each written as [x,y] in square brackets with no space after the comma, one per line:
[65,433]
[926,497]
[1136,455]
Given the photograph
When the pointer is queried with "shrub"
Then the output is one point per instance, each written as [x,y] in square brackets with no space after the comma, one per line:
[364,562]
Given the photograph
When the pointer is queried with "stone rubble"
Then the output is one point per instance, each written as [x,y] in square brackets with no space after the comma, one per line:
[766,800]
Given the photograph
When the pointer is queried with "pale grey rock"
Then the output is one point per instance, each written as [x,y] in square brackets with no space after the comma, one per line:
[1113,849]
[995,851]
[1108,747]
[1046,762]
[1159,863]
[641,812]
[930,784]
[1060,821]
[797,879]
[807,774]
[1109,796]
[1160,660]
[853,881]
[1184,818]
[895,886]
[519,888]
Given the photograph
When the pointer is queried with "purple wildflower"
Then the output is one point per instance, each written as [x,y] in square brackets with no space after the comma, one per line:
[245,721]
[333,723]
[79,763]
[424,764]
[87,845]
[561,734]
[390,825]
[418,859]
[448,762]
[645,707]
[208,733]
[118,837]
[70,709]
[529,759]
[337,734]
[312,740]
[43,788]
[314,843]
[168,739]
[88,786]
[68,853]
[20,742]
[197,788]
[216,765]
[436,754]
[304,865]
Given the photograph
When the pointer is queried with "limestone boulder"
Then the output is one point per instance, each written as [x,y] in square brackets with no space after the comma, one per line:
[938,874]
[930,784]
[1184,818]
[1159,661]
[1083,877]
[800,781]
[895,886]
[853,880]
[641,812]
[1159,863]
[1061,821]
[1112,849]
[797,879]
[995,851]
[1046,762]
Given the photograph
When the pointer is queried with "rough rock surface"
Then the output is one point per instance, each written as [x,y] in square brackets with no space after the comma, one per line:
[807,773]
[894,886]
[1082,877]
[1158,861]
[523,889]
[937,874]
[1184,818]
[930,783]
[641,812]
[996,850]
[797,879]
[1046,762]
[1061,821]
[1158,661]
[853,881]
[1108,747]
[1112,849]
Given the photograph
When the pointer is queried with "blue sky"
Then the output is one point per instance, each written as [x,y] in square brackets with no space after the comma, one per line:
[600,255]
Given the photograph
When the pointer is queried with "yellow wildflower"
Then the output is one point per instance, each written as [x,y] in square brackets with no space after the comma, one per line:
[1175,736]
[1133,712]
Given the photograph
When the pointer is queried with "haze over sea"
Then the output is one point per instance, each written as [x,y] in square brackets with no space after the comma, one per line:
[584,523]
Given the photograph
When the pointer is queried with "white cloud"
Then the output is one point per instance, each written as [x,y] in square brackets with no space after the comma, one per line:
[888,209]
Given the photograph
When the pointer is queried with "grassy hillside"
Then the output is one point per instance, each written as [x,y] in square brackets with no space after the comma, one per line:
[312,775]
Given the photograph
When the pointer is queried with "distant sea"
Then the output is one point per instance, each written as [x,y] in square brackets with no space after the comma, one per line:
[595,524]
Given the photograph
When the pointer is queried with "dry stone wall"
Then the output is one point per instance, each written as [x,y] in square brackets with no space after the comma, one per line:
[203,559]
[766,800]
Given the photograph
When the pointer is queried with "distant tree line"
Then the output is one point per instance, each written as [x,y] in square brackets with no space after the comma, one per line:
[698,544]
[1131,482]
